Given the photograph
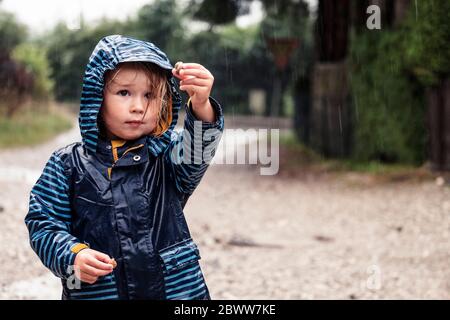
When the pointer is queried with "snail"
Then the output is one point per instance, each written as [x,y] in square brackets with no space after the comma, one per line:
[113,262]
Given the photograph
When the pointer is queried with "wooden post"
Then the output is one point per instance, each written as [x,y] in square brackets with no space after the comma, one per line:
[401,8]
[438,124]
[329,117]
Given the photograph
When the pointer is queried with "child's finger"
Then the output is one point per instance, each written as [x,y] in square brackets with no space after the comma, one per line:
[193,88]
[94,271]
[196,81]
[196,72]
[99,264]
[180,77]
[88,278]
[192,65]
[102,257]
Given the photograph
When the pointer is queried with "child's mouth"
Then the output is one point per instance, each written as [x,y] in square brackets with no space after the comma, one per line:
[134,124]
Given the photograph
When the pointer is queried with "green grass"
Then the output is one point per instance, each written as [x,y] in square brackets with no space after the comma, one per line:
[301,155]
[374,167]
[30,127]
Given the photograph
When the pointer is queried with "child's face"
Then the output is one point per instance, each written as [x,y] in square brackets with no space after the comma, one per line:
[129,109]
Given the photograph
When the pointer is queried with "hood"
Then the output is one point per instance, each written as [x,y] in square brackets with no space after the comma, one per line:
[109,52]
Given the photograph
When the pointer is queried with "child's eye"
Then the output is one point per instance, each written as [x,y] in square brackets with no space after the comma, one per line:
[148,95]
[123,93]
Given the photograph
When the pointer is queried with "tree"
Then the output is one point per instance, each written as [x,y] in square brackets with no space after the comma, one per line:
[218,12]
[11,32]
[284,29]
[15,80]
[34,59]
[161,23]
[69,51]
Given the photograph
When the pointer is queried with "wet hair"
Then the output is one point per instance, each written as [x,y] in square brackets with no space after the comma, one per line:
[159,88]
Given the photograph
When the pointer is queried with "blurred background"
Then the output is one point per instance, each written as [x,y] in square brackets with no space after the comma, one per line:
[360,206]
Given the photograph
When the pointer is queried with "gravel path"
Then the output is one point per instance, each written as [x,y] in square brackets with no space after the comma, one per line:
[269,237]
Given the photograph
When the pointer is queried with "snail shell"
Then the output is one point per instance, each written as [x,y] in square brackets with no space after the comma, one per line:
[178,66]
[114,263]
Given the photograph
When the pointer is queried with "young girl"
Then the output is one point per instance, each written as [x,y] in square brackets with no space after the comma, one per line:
[108,211]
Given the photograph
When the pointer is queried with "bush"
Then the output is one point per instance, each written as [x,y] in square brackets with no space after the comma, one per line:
[391,70]
[388,104]
[426,41]
[35,60]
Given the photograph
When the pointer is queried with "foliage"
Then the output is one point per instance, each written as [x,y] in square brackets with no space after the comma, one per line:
[426,35]
[285,18]
[15,81]
[35,60]
[68,52]
[391,70]
[161,23]
[11,32]
[217,12]
[238,60]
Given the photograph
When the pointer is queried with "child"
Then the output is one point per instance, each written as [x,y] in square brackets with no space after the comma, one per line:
[110,208]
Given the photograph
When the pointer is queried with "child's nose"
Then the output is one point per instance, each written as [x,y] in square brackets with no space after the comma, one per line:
[138,106]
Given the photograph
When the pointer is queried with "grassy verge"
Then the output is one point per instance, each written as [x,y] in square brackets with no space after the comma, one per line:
[297,157]
[33,125]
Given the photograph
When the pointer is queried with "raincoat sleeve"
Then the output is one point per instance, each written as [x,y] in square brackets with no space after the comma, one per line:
[49,218]
[191,150]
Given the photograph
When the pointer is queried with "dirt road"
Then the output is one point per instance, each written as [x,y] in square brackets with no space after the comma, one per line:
[267,237]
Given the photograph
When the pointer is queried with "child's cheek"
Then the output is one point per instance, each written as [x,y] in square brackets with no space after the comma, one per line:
[147,129]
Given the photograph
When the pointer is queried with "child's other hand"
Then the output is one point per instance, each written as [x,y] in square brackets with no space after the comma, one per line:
[197,81]
[91,264]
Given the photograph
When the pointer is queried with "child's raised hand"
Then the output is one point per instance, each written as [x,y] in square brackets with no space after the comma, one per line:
[196,80]
[91,264]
